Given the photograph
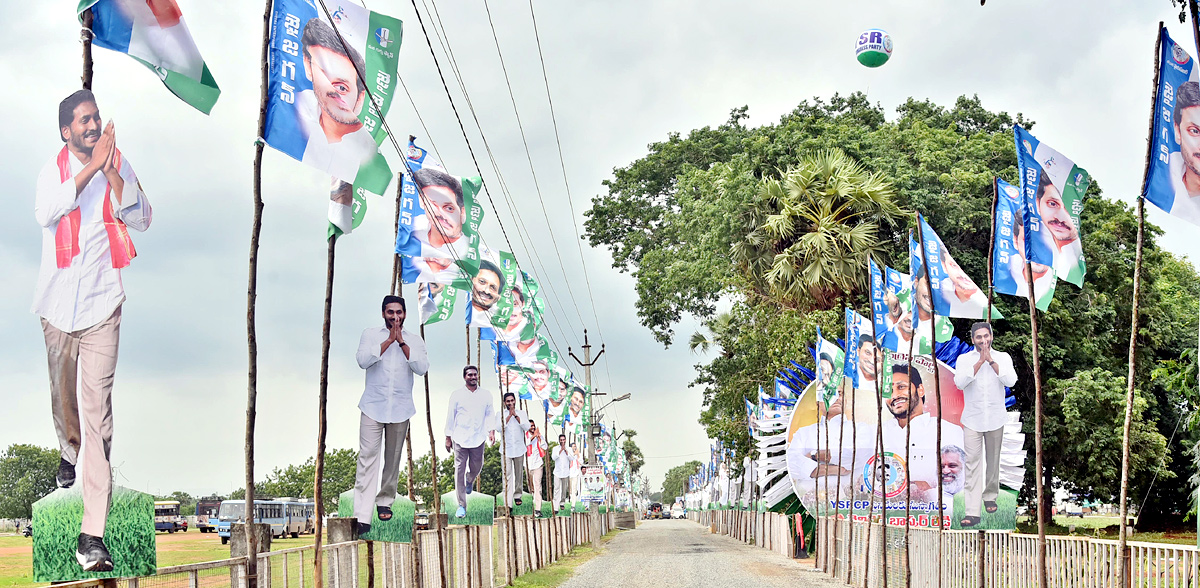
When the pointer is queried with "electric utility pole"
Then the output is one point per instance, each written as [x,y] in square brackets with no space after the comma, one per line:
[587,363]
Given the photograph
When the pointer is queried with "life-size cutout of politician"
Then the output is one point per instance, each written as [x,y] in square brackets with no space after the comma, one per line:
[87,200]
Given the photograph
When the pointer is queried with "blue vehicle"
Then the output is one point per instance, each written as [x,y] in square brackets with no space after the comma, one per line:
[285,516]
[166,516]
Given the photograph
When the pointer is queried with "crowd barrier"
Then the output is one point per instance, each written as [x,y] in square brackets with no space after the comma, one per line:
[475,557]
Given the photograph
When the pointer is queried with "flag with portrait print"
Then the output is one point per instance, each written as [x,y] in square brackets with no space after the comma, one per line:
[437,235]
[954,292]
[1009,266]
[1053,187]
[1172,180]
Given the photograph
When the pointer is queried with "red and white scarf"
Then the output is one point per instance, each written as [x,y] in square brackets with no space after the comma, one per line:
[66,236]
[532,442]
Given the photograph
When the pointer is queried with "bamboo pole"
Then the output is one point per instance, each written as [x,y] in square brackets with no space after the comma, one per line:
[992,245]
[1122,536]
[251,295]
[433,462]
[1037,433]
[397,289]
[86,35]
[512,519]
[877,486]
[913,315]
[937,389]
[322,402]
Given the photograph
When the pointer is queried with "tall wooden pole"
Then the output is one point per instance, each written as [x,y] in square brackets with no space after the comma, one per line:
[878,485]
[992,246]
[512,515]
[1037,427]
[322,402]
[251,294]
[937,389]
[914,314]
[86,35]
[397,289]
[433,462]
[1122,535]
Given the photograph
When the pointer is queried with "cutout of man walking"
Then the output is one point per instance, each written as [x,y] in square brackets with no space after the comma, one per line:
[87,198]
[469,415]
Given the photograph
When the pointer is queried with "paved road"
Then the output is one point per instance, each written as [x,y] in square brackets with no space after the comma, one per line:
[682,553]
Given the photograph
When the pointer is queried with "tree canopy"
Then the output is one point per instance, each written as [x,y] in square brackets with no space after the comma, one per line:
[27,473]
[682,218]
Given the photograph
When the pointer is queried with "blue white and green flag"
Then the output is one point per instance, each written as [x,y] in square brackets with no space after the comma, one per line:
[154,33]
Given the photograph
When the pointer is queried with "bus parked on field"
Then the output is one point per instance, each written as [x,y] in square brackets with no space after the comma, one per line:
[166,516]
[206,513]
[285,516]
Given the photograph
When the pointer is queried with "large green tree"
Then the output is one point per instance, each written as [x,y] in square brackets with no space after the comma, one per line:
[26,474]
[677,217]
[676,480]
[633,454]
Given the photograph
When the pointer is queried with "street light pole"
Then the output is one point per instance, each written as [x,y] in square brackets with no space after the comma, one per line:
[587,363]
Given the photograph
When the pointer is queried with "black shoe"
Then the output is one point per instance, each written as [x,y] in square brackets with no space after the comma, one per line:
[66,473]
[363,529]
[517,501]
[92,555]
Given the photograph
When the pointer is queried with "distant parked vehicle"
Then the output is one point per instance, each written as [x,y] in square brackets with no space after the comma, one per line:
[166,516]
[206,514]
[421,522]
[656,510]
[28,532]
[677,512]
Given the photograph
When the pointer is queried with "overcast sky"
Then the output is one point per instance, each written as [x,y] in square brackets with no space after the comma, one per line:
[623,74]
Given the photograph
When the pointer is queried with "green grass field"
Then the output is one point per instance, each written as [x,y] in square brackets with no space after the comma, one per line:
[128,534]
[481,508]
[397,530]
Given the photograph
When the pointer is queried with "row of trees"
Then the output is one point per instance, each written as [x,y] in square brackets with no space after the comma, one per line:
[27,473]
[778,222]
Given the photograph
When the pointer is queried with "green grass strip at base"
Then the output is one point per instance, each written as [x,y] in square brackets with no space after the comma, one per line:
[398,530]
[128,534]
[481,508]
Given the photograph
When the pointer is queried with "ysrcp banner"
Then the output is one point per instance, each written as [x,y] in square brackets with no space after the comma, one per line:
[1009,268]
[1054,187]
[860,350]
[834,466]
[954,292]
[928,325]
[318,109]
[155,34]
[438,234]
[1173,176]
[830,366]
